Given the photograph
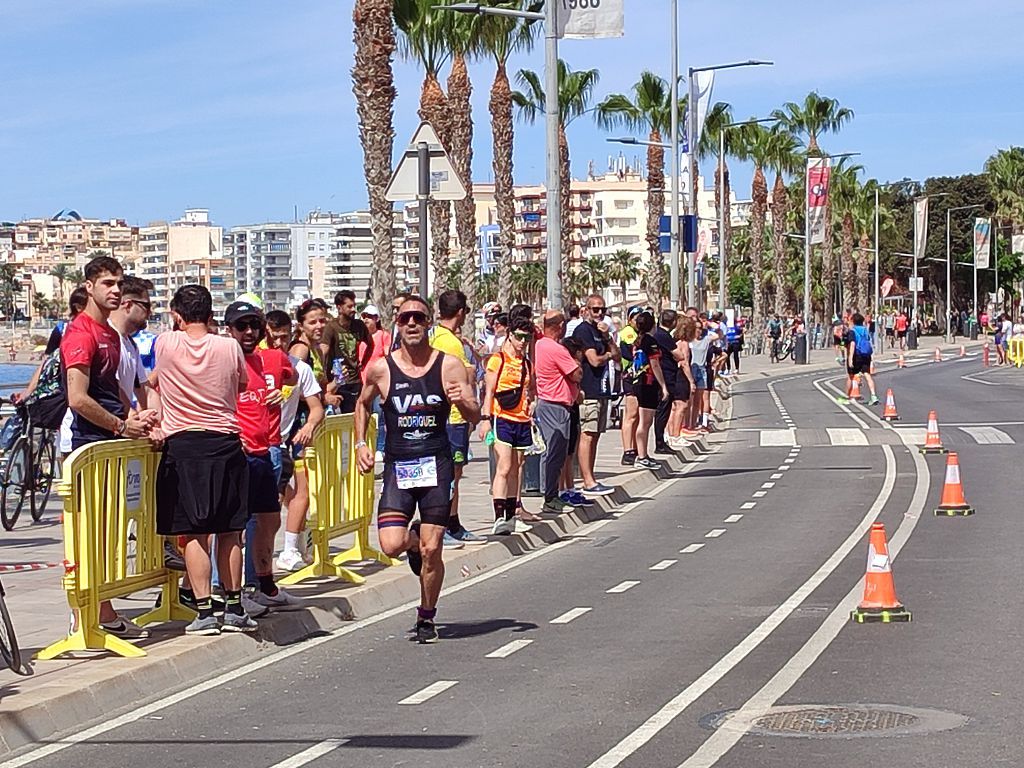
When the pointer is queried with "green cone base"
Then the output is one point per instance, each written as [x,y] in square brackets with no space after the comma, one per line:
[933,450]
[954,511]
[880,616]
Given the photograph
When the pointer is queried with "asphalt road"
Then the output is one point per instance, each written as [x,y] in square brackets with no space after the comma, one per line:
[623,645]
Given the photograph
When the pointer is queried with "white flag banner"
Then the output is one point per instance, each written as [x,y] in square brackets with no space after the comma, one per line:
[982,243]
[920,226]
[819,174]
[1017,244]
[704,83]
[587,19]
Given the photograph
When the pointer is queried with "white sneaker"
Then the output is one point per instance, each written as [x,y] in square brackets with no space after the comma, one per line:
[503,527]
[251,607]
[282,601]
[520,526]
[290,560]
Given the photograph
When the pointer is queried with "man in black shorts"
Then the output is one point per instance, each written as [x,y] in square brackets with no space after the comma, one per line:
[418,386]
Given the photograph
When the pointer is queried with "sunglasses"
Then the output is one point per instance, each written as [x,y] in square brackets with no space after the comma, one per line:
[148,306]
[245,324]
[599,310]
[521,335]
[414,316]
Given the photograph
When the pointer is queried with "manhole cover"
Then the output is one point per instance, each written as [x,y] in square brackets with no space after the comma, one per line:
[843,721]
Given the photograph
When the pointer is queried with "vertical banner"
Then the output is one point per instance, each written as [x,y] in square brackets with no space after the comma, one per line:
[982,243]
[819,172]
[920,226]
[587,19]
[1017,244]
[705,84]
[704,237]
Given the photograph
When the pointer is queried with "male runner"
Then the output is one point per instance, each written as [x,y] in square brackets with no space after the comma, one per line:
[417,385]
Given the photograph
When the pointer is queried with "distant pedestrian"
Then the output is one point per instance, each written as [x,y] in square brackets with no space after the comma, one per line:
[668,359]
[341,341]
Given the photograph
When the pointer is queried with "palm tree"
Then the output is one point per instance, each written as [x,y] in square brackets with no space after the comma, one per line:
[783,160]
[76,277]
[623,267]
[373,84]
[426,39]
[529,283]
[649,109]
[719,116]
[575,91]
[816,116]
[1005,170]
[756,144]
[62,272]
[503,36]
[845,191]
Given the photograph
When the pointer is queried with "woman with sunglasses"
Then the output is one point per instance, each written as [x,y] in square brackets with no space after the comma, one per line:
[506,413]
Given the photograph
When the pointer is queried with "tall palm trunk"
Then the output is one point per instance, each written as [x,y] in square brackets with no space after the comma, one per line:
[565,194]
[434,108]
[851,295]
[502,136]
[780,209]
[460,92]
[655,208]
[759,208]
[828,268]
[723,205]
[865,297]
[374,87]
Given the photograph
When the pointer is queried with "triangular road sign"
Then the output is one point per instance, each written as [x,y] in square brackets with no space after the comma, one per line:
[445,183]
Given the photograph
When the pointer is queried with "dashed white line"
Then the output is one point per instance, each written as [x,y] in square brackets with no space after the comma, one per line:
[776,476]
[311,754]
[714,533]
[690,549]
[733,518]
[748,505]
[789,461]
[767,485]
[429,692]
[784,468]
[570,615]
[663,565]
[618,589]
[759,494]
[508,649]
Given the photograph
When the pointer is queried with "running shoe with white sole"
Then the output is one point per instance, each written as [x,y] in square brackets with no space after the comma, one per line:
[467,537]
[557,507]
[251,607]
[207,626]
[518,526]
[282,601]
[238,622]
[290,560]
[648,463]
[599,490]
[426,632]
[450,542]
[126,630]
[503,527]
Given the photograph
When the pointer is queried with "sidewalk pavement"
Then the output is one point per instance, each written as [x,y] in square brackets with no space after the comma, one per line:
[68,692]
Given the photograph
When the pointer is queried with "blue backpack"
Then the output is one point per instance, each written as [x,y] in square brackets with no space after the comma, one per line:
[862,340]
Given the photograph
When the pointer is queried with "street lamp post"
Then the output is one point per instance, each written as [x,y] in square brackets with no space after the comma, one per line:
[915,319]
[674,235]
[878,268]
[691,140]
[949,273]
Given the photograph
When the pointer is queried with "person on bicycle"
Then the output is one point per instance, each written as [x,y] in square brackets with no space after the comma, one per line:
[774,334]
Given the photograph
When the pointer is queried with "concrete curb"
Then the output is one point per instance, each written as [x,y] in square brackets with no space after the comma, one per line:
[72,693]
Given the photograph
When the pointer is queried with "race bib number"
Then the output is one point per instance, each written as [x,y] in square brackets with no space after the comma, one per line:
[416,473]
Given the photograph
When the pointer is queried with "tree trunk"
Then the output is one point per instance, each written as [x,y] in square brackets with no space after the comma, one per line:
[851,294]
[723,206]
[434,108]
[655,209]
[460,92]
[828,269]
[374,88]
[780,209]
[565,193]
[502,134]
[759,206]
[865,292]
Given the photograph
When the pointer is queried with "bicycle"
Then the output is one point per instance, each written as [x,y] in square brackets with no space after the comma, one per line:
[9,650]
[28,471]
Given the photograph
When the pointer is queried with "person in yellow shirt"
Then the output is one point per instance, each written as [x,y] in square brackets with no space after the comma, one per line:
[452,309]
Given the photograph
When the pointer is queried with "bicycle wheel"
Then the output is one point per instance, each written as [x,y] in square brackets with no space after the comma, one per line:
[45,460]
[15,475]
[9,650]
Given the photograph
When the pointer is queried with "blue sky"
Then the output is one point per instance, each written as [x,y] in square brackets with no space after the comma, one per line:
[140,108]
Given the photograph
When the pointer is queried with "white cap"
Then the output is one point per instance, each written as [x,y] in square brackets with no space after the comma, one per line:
[371,309]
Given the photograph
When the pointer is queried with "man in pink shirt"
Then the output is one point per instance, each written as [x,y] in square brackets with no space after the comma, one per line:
[558,376]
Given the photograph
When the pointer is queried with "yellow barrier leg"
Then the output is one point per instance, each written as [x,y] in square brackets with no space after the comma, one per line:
[170,608]
[320,566]
[89,637]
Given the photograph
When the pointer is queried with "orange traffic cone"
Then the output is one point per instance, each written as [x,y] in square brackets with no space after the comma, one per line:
[880,602]
[953,502]
[890,407]
[938,355]
[901,363]
[855,388]
[963,351]
[932,441]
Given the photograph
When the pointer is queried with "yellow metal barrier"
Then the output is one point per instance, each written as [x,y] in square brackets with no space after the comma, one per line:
[106,487]
[1015,351]
[341,501]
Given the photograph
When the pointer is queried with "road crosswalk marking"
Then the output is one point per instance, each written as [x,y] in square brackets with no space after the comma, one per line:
[777,437]
[845,437]
[988,435]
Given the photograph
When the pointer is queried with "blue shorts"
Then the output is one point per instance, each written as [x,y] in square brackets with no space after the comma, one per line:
[699,376]
[263,497]
[516,434]
[458,436]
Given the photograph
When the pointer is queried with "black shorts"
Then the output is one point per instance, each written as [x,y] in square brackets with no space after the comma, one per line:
[901,334]
[890,331]
[682,389]
[627,386]
[398,505]
[861,364]
[263,498]
[287,469]
[348,393]
[202,484]
[458,436]
[574,429]
[516,434]
[648,395]
[709,373]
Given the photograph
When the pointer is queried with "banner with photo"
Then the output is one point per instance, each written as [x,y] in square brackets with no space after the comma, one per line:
[705,84]
[920,227]
[1017,245]
[588,19]
[982,243]
[819,173]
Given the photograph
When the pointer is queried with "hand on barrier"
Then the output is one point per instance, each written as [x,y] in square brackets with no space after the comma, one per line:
[139,424]
[304,437]
[365,458]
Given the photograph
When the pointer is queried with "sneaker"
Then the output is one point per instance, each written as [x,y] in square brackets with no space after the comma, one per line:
[467,537]
[518,526]
[125,629]
[843,400]
[578,499]
[290,560]
[238,622]
[503,527]
[648,463]
[450,542]
[207,626]
[874,400]
[426,632]
[250,606]
[663,448]
[414,557]
[628,458]
[172,558]
[282,601]
[599,490]
[187,598]
[557,507]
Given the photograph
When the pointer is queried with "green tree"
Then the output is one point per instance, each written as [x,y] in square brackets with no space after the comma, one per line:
[623,267]
[719,116]
[784,160]
[845,191]
[529,283]
[1005,172]
[62,272]
[755,143]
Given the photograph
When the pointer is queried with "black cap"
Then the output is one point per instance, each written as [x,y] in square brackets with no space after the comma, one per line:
[239,309]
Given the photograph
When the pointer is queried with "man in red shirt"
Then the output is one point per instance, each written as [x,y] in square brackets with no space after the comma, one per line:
[246,325]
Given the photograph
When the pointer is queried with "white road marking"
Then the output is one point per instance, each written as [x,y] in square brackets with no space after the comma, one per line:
[789,461]
[714,533]
[767,485]
[784,468]
[843,436]
[311,754]
[988,435]
[618,589]
[777,437]
[663,565]
[508,649]
[679,703]
[733,518]
[748,505]
[690,549]
[776,476]
[429,692]
[570,615]
[759,494]
[912,435]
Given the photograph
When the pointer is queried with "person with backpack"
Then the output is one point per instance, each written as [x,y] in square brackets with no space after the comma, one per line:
[858,358]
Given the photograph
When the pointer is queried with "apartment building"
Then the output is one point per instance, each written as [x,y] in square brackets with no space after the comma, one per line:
[172,254]
[349,261]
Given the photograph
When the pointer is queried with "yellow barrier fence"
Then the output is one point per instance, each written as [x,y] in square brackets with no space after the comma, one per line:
[1015,351]
[341,502]
[108,488]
